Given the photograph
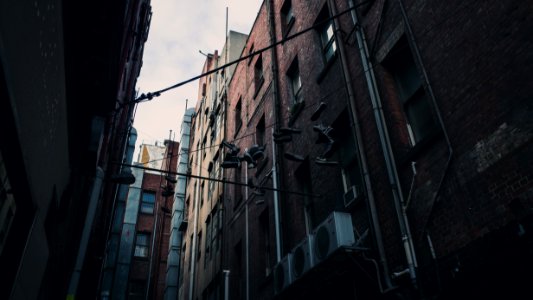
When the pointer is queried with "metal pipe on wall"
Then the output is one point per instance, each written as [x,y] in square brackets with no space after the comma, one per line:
[360,145]
[387,150]
[277,119]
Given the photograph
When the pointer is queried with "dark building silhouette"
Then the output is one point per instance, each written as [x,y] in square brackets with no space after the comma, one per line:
[67,78]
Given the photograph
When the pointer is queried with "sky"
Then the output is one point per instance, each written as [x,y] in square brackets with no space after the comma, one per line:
[179,30]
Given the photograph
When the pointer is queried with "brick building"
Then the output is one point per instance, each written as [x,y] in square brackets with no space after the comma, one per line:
[202,236]
[395,144]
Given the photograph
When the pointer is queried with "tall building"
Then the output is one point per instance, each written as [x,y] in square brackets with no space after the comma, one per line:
[67,78]
[179,219]
[136,262]
[378,150]
[202,237]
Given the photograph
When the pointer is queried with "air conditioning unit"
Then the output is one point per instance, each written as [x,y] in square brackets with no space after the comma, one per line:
[283,274]
[351,196]
[336,231]
[302,257]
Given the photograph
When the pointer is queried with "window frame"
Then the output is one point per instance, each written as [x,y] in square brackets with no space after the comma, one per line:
[287,17]
[144,203]
[259,74]
[294,75]
[145,247]
[400,64]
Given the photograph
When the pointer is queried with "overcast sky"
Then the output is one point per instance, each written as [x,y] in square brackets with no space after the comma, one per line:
[179,29]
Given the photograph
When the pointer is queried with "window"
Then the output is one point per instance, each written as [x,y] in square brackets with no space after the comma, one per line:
[142,242]
[147,202]
[199,246]
[238,119]
[287,16]
[182,264]
[295,83]
[258,74]
[417,109]
[202,193]
[260,132]
[327,36]
[351,173]
[208,232]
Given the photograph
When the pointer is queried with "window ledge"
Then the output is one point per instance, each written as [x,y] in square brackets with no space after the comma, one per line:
[421,147]
[326,69]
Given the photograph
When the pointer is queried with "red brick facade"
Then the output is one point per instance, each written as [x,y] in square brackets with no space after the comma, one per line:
[445,139]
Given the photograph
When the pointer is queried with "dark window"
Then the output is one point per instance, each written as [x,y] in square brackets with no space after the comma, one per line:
[295,82]
[238,119]
[260,132]
[202,193]
[327,35]
[258,73]
[287,17]
[182,258]
[199,246]
[147,202]
[208,243]
[417,109]
[142,243]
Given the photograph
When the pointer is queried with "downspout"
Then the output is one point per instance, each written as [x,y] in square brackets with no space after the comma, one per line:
[387,151]
[418,57]
[363,160]
[196,212]
[277,118]
[89,218]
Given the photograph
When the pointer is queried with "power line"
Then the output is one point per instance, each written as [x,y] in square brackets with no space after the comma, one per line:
[219,180]
[151,95]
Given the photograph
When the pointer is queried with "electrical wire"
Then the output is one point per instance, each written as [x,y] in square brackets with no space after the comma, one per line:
[218,180]
[423,33]
[151,95]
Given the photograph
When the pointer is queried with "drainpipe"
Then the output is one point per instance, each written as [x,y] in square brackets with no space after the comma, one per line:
[386,147]
[418,57]
[89,218]
[277,119]
[360,145]
[196,210]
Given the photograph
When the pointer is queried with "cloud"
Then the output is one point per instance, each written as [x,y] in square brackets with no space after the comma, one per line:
[178,30]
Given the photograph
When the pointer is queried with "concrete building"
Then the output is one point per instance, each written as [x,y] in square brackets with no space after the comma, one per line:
[179,219]
[67,78]
[202,238]
[395,141]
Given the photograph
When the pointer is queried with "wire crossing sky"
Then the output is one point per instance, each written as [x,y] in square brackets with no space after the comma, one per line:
[178,31]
